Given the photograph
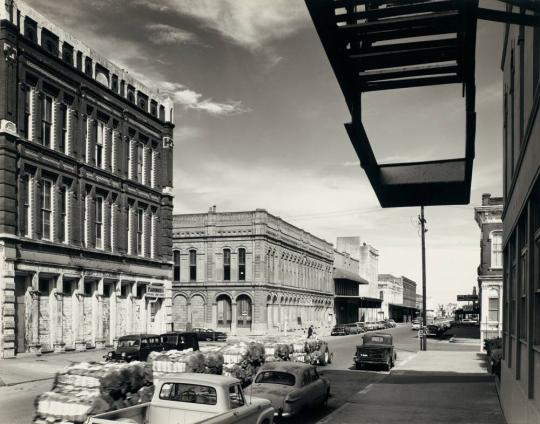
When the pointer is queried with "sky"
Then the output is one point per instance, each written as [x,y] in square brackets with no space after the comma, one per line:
[259,124]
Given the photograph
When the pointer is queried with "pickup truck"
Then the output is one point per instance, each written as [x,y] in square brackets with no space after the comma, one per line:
[193,398]
[377,349]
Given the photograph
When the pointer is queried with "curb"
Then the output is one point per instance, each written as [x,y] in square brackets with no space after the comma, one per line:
[17,383]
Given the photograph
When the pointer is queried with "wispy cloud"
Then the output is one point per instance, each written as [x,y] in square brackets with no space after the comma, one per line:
[250,23]
[162,33]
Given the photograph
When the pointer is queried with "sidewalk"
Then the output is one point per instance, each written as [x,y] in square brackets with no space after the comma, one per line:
[28,367]
[431,387]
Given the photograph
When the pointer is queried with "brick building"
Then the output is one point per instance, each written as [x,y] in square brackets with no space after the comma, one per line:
[250,273]
[520,369]
[85,193]
[490,271]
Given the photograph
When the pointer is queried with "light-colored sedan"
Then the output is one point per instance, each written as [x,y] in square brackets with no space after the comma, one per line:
[291,387]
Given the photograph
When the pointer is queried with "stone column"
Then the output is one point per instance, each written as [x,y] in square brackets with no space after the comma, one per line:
[78,316]
[7,305]
[97,315]
[269,317]
[113,312]
[56,305]
[234,318]
[214,315]
[32,314]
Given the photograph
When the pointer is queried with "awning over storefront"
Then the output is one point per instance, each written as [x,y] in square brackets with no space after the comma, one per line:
[361,301]
[343,274]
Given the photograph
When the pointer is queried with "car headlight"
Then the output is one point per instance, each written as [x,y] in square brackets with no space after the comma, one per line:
[110,355]
[123,354]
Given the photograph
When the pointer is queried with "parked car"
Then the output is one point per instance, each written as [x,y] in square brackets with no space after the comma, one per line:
[179,340]
[469,321]
[208,335]
[135,347]
[292,387]
[376,349]
[338,330]
[194,398]
[361,327]
[416,325]
[381,325]
[369,326]
[351,328]
[392,323]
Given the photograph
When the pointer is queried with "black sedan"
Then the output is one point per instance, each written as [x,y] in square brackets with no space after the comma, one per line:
[339,330]
[208,335]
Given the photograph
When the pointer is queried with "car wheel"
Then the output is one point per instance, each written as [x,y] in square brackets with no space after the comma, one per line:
[358,366]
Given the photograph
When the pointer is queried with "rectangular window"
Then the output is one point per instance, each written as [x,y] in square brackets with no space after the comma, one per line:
[100,131]
[62,226]
[192,265]
[140,231]
[493,309]
[523,277]
[63,125]
[176,269]
[27,181]
[140,155]
[46,121]
[496,250]
[381,295]
[46,209]
[188,393]
[236,396]
[242,264]
[99,222]
[226,264]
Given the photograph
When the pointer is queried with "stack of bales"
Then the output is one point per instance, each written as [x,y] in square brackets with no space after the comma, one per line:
[243,359]
[85,389]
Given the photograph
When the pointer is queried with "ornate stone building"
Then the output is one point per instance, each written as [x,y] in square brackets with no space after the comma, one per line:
[490,271]
[85,193]
[250,272]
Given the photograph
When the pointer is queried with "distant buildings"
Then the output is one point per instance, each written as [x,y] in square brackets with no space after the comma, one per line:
[368,262]
[490,271]
[85,193]
[399,298]
[250,273]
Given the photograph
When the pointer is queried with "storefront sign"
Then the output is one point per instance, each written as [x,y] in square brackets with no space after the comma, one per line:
[467,297]
[155,291]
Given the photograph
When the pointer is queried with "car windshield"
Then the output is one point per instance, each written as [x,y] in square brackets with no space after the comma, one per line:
[375,339]
[128,343]
[275,377]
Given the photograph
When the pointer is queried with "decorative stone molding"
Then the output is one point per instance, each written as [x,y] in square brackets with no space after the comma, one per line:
[168,143]
[10,53]
[8,126]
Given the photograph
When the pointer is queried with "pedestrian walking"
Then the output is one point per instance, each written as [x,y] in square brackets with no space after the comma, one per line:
[310,332]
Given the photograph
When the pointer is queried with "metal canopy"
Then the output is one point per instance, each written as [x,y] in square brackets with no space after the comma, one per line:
[378,45]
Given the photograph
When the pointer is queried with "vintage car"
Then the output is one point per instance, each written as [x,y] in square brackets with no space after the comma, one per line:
[179,340]
[352,328]
[370,326]
[416,325]
[376,349]
[135,347]
[292,387]
[194,398]
[208,335]
[390,323]
[338,330]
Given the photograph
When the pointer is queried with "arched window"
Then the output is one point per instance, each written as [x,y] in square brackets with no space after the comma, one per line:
[241,264]
[176,265]
[192,265]
[244,311]
[496,249]
[226,264]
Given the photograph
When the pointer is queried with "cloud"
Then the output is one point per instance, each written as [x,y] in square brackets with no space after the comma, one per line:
[250,23]
[190,99]
[167,34]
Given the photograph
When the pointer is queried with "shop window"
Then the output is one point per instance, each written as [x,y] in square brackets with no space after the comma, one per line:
[46,121]
[192,265]
[226,264]
[46,209]
[176,266]
[241,264]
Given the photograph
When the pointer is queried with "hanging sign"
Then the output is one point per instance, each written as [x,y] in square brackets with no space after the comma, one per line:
[155,290]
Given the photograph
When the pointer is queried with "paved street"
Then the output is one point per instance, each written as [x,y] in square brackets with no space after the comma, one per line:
[17,401]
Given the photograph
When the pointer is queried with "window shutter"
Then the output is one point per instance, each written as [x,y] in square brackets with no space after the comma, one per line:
[75,214]
[147,158]
[106,225]
[90,135]
[107,149]
[155,169]
[56,126]
[36,211]
[91,221]
[69,131]
[24,180]
[34,118]
[114,226]
[54,212]
[147,232]
[132,172]
[115,152]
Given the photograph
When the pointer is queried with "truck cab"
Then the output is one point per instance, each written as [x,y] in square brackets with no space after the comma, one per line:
[179,340]
[135,347]
[194,398]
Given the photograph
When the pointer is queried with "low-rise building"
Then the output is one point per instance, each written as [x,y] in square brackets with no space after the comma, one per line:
[347,281]
[490,271]
[250,273]
[368,262]
[398,296]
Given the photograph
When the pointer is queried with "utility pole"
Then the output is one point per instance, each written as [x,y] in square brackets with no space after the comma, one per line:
[423,338]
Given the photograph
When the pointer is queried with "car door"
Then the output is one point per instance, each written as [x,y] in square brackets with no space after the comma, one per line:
[242,412]
[317,387]
[307,391]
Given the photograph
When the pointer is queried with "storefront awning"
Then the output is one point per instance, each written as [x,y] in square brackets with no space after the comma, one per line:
[395,305]
[360,301]
[343,274]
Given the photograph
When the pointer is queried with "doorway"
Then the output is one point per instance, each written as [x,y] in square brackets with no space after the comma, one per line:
[21,286]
